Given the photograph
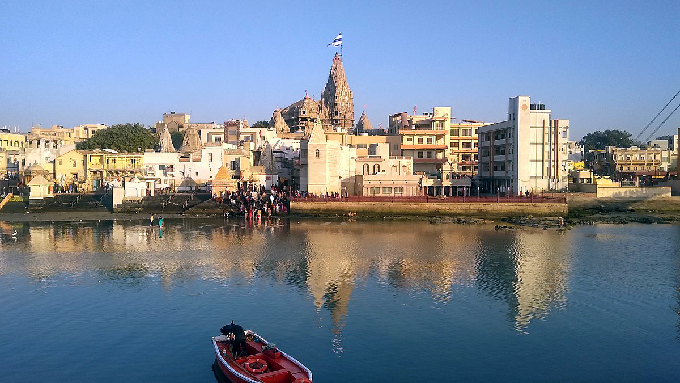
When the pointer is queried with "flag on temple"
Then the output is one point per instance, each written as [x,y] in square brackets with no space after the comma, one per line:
[337,41]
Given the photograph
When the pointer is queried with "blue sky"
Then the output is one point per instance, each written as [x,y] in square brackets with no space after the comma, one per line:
[600,64]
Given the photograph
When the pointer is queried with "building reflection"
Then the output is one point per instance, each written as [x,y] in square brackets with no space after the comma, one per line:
[525,269]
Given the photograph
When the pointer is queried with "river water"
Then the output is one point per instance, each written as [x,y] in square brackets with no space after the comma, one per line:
[354,301]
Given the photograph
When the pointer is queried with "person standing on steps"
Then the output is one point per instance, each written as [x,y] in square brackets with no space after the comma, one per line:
[151,220]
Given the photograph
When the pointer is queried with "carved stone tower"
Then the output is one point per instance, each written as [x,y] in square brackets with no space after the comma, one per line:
[165,141]
[337,100]
[191,143]
[364,124]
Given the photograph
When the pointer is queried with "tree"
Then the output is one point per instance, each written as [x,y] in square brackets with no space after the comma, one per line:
[121,137]
[177,139]
[610,137]
[260,124]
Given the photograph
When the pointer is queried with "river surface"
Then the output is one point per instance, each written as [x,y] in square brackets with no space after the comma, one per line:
[354,301]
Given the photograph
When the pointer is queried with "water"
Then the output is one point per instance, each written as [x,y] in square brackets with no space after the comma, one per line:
[366,302]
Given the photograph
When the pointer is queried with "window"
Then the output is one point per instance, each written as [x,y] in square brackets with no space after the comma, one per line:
[466,132]
[398,190]
[429,140]
[317,153]
[367,168]
[429,154]
[387,190]
[420,140]
[455,132]
[409,139]
[420,154]
[375,190]
[362,146]
[210,158]
[59,162]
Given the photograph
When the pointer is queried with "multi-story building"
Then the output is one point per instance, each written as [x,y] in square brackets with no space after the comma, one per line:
[463,143]
[85,131]
[425,138]
[232,131]
[11,141]
[525,153]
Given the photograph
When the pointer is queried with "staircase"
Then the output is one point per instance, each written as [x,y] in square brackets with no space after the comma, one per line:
[5,200]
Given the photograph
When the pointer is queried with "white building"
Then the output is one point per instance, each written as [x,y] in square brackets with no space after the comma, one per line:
[169,170]
[324,164]
[525,153]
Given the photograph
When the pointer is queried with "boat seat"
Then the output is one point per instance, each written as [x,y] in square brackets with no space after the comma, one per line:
[278,376]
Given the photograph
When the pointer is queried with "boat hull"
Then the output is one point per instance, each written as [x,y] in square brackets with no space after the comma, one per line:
[280,367]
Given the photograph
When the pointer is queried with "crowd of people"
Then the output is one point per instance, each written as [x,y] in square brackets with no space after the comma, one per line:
[254,202]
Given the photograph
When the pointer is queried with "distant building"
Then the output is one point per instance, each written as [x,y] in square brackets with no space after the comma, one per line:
[525,153]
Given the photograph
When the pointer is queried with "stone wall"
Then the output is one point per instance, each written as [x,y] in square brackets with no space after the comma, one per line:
[632,192]
[380,209]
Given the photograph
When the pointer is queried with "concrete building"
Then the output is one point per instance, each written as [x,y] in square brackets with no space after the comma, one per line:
[232,131]
[380,174]
[463,147]
[525,153]
[425,138]
[85,131]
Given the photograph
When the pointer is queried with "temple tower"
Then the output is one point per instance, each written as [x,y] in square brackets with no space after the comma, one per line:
[165,141]
[364,124]
[337,100]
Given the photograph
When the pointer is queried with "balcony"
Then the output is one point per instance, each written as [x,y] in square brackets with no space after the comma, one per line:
[429,160]
[424,146]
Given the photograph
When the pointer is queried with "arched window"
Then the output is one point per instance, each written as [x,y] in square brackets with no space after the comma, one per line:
[317,153]
[366,168]
[376,168]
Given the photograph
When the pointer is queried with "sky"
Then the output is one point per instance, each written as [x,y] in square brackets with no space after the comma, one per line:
[602,65]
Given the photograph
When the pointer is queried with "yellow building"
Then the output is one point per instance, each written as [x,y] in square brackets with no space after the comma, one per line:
[70,170]
[107,165]
[11,141]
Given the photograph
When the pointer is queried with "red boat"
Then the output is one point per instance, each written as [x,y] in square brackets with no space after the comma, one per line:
[260,362]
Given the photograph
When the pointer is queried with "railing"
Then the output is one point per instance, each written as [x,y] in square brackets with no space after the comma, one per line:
[438,199]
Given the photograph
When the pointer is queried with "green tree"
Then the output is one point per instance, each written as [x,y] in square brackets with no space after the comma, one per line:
[260,124]
[177,139]
[121,137]
[610,137]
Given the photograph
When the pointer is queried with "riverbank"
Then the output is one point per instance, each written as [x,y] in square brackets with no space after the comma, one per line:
[579,209]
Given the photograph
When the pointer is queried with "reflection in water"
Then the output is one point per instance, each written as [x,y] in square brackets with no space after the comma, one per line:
[527,270]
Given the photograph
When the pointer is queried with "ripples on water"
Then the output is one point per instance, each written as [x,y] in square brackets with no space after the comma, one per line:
[345,292]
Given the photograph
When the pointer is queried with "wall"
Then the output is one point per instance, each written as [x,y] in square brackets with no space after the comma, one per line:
[673,184]
[632,192]
[379,209]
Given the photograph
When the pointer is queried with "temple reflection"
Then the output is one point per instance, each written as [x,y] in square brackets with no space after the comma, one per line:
[525,269]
